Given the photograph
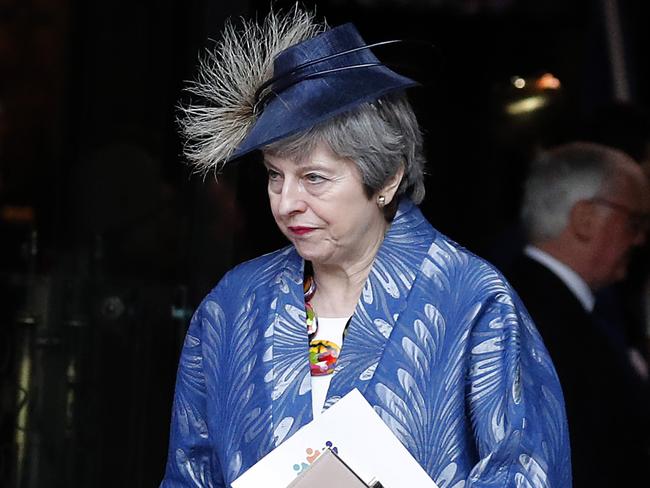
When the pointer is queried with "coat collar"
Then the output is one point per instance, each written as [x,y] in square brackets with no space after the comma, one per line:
[383,299]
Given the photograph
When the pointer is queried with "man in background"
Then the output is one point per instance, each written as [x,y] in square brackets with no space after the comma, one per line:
[585,209]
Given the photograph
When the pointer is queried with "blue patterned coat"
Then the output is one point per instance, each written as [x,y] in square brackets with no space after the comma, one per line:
[439,344]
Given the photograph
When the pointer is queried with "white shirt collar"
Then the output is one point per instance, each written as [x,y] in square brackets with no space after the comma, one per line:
[570,278]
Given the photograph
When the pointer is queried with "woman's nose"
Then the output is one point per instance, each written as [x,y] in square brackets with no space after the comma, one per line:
[292,197]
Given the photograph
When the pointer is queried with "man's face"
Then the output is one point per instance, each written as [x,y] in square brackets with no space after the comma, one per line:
[620,225]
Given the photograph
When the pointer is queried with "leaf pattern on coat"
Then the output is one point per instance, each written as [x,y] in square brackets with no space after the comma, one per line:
[439,344]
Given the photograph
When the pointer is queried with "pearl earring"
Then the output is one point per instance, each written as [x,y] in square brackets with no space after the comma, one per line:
[381,201]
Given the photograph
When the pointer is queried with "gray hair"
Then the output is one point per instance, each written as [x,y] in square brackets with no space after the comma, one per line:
[379,137]
[558,179]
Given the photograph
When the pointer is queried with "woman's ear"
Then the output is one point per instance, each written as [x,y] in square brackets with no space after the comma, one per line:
[391,186]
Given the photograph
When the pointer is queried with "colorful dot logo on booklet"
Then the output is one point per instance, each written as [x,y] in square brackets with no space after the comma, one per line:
[322,357]
[311,456]
[331,447]
[299,468]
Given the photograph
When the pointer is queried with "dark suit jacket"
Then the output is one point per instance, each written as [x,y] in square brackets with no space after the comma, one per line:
[606,402]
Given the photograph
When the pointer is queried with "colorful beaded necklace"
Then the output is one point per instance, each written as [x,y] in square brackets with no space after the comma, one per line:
[322,354]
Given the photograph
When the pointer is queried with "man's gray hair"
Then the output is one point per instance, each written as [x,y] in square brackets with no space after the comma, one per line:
[558,179]
[379,137]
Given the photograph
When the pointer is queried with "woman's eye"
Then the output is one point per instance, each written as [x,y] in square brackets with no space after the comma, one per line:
[272,174]
[314,178]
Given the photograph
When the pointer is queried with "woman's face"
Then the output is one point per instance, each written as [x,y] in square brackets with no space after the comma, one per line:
[320,205]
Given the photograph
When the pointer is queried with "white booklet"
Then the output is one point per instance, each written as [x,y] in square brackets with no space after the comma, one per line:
[356,433]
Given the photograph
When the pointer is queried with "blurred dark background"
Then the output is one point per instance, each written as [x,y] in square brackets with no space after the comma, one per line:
[108,242]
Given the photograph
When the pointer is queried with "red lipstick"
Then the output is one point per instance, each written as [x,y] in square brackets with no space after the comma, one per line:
[298,230]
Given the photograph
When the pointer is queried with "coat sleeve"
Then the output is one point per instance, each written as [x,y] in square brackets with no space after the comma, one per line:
[515,402]
[191,460]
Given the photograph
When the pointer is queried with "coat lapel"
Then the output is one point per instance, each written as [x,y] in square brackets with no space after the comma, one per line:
[291,393]
[383,299]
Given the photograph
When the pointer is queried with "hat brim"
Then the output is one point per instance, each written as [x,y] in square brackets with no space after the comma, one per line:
[316,100]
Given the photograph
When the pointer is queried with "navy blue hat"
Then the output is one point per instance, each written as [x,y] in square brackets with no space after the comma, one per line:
[314,81]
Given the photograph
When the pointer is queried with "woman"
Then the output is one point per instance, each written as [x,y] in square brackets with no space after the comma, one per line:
[431,335]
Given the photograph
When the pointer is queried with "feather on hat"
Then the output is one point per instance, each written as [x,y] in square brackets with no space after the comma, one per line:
[228,79]
[266,82]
